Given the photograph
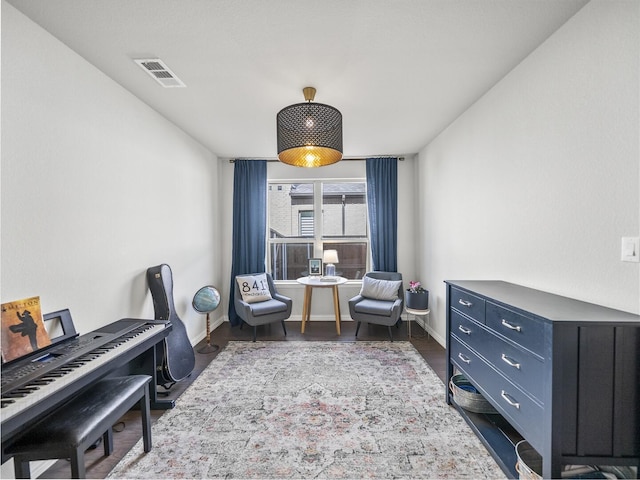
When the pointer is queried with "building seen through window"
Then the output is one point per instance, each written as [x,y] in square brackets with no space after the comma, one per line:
[307,218]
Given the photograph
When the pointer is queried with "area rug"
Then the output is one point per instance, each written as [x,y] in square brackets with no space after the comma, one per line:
[326,410]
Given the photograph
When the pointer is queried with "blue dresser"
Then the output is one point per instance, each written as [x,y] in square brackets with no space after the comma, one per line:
[563,374]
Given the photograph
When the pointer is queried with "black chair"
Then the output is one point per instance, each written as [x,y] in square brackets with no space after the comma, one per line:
[380,300]
[269,310]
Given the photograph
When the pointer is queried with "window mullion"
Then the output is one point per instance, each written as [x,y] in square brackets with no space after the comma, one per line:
[317,218]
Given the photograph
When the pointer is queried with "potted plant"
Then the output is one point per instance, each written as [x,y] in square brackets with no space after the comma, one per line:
[416,297]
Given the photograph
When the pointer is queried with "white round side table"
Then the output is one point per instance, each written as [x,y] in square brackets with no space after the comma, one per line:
[417,313]
[317,281]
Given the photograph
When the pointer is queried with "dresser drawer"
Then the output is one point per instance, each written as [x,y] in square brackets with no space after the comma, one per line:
[468,304]
[520,410]
[524,331]
[467,361]
[517,365]
[468,331]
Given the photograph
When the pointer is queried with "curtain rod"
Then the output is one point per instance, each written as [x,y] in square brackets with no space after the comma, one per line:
[354,159]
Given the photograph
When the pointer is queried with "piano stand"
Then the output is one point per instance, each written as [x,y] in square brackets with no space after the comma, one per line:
[68,431]
[163,404]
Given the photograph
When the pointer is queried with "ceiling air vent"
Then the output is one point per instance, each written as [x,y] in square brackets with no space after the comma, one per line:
[160,72]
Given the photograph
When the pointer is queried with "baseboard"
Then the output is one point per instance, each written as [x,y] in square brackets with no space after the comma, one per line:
[425,326]
[327,318]
[319,318]
[41,466]
[295,318]
[37,468]
[203,334]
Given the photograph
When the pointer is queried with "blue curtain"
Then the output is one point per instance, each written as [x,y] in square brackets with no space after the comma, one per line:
[382,198]
[249,222]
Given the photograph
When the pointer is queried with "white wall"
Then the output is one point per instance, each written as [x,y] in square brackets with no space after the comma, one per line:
[96,188]
[538,181]
[322,305]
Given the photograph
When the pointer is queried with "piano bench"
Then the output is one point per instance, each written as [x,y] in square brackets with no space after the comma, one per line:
[72,428]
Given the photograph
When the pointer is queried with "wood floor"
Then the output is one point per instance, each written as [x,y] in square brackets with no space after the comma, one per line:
[128,431]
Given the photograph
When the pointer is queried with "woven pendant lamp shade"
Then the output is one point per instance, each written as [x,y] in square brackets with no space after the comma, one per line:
[309,134]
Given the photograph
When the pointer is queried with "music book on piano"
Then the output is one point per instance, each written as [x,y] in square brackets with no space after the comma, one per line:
[23,330]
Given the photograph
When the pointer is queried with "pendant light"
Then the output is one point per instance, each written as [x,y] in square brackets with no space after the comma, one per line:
[309,134]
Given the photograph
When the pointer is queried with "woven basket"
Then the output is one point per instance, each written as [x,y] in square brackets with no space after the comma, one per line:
[529,461]
[467,397]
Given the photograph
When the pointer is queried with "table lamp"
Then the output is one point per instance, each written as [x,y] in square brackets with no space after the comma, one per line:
[330,257]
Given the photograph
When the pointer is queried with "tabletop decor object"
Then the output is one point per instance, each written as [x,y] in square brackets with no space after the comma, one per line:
[416,297]
[329,258]
[315,267]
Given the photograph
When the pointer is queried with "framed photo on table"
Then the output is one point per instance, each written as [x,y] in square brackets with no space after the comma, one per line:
[315,267]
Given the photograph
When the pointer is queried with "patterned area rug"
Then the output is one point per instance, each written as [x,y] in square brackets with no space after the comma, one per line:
[312,410]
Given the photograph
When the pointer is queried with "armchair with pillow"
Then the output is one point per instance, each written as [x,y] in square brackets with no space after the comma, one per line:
[257,302]
[380,300]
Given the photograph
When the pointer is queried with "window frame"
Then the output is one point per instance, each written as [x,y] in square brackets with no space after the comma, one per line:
[317,240]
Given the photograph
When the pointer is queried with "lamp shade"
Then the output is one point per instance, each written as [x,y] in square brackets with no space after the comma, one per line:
[309,134]
[330,256]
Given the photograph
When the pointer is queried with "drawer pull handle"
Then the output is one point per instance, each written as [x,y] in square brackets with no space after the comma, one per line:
[517,328]
[509,400]
[464,303]
[464,330]
[464,359]
[510,361]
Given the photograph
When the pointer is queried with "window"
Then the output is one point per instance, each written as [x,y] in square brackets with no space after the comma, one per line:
[306,223]
[304,219]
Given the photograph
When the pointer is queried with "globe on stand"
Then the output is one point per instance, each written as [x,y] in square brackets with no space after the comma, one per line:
[206,300]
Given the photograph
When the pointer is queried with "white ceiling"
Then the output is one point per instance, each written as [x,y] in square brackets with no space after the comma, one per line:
[400,71]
